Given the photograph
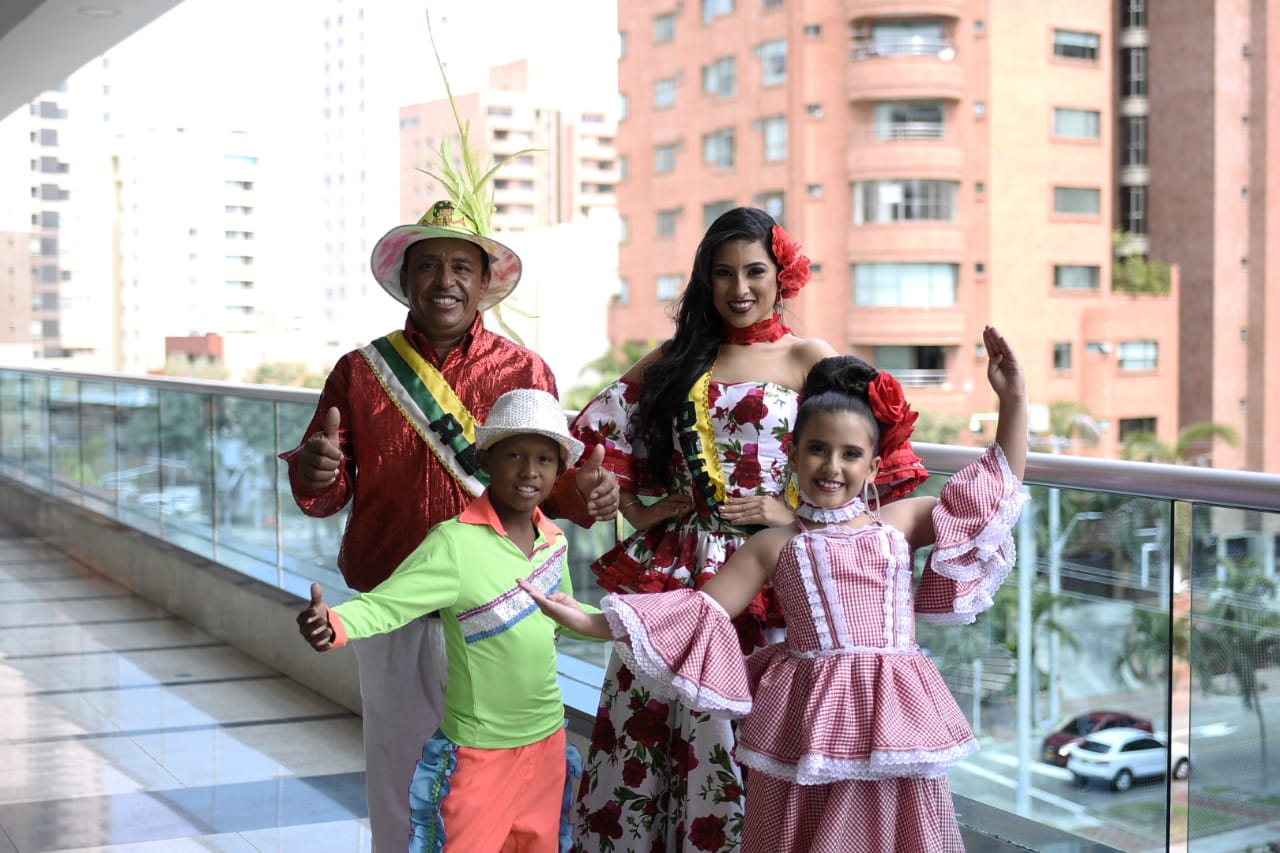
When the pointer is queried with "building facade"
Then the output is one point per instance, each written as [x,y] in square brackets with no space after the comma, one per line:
[946,164]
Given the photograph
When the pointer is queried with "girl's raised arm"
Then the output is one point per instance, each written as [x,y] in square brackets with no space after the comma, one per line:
[1007,379]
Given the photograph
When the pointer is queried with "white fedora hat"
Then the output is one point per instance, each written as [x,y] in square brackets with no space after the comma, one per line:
[528,410]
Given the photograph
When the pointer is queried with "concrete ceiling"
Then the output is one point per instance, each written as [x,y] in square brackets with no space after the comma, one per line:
[43,41]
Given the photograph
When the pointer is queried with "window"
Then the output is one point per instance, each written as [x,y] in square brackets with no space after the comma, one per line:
[1076,124]
[623,106]
[624,291]
[1133,13]
[712,9]
[664,27]
[905,285]
[1130,427]
[711,212]
[720,77]
[909,120]
[624,229]
[1139,355]
[774,204]
[1071,44]
[667,222]
[775,138]
[1133,72]
[1062,356]
[622,45]
[664,159]
[914,367]
[904,201]
[623,163]
[813,30]
[773,61]
[773,4]
[1133,209]
[664,92]
[718,148]
[1076,277]
[669,286]
[1133,130]
[1079,201]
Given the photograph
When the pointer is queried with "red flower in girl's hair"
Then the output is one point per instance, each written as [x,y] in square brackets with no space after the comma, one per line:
[793,267]
[893,412]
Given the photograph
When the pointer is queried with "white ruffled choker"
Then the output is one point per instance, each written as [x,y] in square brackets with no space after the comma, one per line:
[810,511]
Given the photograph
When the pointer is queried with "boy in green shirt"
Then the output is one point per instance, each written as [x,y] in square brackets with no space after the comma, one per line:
[498,771]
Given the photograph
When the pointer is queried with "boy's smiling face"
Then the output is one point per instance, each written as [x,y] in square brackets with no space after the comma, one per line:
[522,471]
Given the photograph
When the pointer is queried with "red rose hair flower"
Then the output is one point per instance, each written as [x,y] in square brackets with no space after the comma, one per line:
[891,409]
[793,267]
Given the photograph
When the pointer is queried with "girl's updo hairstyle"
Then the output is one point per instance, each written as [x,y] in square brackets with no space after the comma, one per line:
[838,384]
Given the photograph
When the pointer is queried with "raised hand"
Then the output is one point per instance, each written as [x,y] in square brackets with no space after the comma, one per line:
[313,622]
[597,485]
[1004,371]
[321,455]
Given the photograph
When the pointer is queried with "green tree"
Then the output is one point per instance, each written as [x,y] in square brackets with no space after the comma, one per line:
[1194,445]
[1134,273]
[936,428]
[180,365]
[1071,424]
[604,370]
[292,373]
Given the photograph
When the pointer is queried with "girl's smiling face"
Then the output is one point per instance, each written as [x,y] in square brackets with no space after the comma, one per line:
[833,457]
[744,282]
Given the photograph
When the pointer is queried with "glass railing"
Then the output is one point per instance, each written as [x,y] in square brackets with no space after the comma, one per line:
[1144,595]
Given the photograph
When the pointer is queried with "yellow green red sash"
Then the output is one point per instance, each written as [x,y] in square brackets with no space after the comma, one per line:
[430,405]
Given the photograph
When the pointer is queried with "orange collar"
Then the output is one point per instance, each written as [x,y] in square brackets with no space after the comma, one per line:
[481,511]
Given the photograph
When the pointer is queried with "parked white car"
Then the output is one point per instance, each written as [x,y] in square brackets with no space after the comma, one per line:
[1120,756]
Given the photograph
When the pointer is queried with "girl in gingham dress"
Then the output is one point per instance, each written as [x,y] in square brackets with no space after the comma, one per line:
[847,726]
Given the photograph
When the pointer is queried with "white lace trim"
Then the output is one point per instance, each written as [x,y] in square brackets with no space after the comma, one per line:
[814,769]
[652,670]
[810,511]
[802,549]
[901,582]
[912,649]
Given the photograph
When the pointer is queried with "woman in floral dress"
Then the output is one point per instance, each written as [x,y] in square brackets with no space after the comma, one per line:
[696,429]
[848,728]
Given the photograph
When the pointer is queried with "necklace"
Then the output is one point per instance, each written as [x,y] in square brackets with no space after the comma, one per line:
[810,511]
[763,332]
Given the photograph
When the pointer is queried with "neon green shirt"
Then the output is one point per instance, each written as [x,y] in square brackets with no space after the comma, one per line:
[502,690]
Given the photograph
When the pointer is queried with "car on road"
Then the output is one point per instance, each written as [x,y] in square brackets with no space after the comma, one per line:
[1120,757]
[1058,743]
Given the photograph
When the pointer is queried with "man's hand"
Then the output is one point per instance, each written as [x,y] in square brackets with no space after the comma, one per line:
[321,455]
[598,487]
[313,622]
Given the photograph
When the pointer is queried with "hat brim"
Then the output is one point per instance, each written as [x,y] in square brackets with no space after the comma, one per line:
[388,259]
[570,448]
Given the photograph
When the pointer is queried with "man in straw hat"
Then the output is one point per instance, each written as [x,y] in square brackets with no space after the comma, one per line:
[497,775]
[394,436]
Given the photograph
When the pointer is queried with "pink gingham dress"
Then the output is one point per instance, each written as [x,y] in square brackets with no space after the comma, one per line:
[848,722]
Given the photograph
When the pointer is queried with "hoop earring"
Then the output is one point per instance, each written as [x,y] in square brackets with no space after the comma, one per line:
[867,492]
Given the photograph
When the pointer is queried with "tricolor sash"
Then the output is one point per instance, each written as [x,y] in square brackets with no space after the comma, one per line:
[697,438]
[430,405]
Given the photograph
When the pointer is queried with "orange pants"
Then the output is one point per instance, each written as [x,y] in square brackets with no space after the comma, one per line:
[477,800]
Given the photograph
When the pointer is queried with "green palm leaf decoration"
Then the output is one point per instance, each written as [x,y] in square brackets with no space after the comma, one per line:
[468,186]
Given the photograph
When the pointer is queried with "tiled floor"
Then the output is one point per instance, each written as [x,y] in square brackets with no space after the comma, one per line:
[125,729]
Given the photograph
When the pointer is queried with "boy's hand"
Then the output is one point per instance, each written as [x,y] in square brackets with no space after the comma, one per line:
[1004,371]
[565,610]
[313,622]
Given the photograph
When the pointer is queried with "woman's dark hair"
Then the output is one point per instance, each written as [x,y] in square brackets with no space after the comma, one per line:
[692,349]
[838,384]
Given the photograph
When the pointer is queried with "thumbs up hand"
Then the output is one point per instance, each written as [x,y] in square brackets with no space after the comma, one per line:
[321,455]
[313,622]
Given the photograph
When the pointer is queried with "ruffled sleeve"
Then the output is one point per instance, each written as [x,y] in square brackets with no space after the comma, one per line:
[683,646]
[974,551]
[609,419]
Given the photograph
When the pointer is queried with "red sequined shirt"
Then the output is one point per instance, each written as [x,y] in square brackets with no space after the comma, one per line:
[398,489]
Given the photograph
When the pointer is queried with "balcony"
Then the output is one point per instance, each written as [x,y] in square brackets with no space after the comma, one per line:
[860,9]
[896,241]
[906,69]
[173,488]
[924,149]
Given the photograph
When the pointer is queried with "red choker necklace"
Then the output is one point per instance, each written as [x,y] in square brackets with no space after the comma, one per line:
[766,331]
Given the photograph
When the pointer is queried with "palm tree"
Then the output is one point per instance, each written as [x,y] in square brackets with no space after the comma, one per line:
[1194,445]
[1070,423]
